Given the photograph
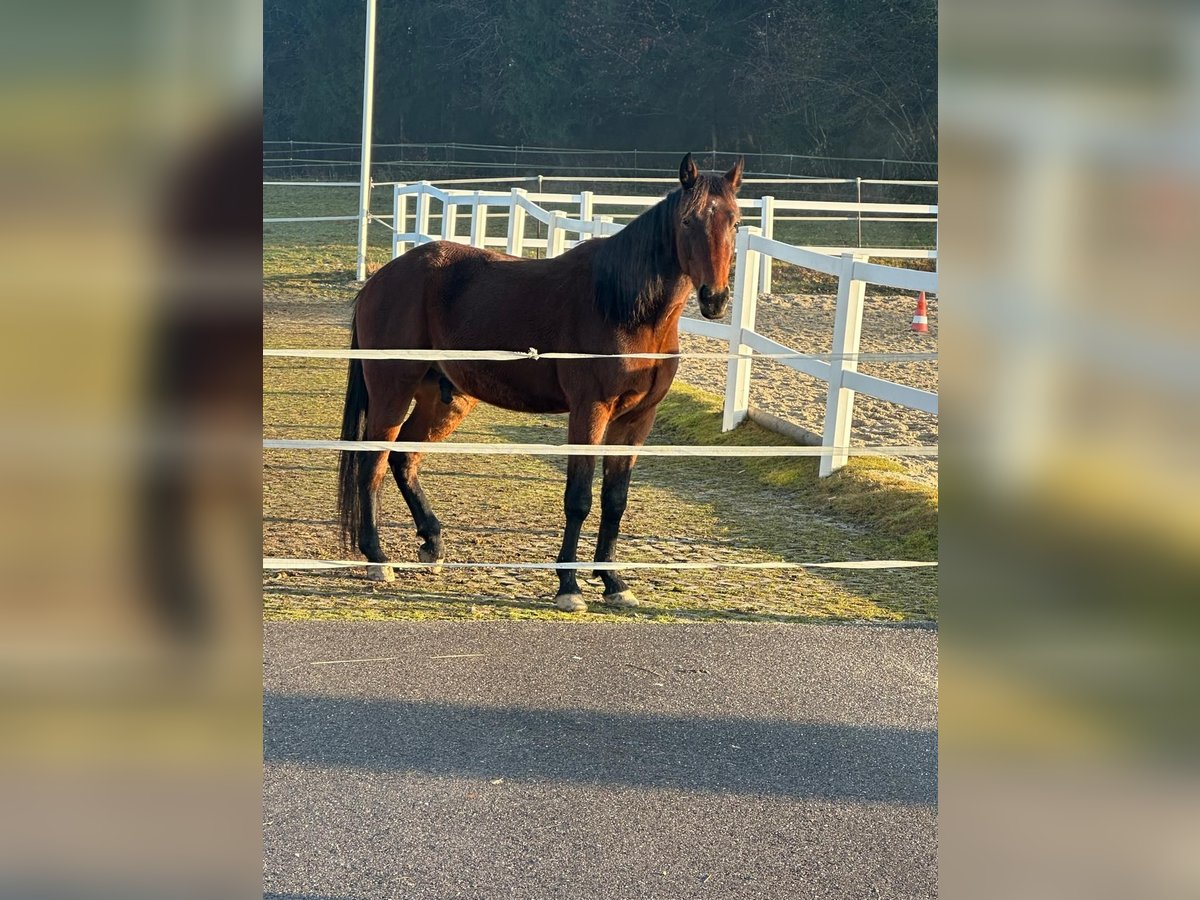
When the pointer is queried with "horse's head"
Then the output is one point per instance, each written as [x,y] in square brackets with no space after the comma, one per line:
[706,219]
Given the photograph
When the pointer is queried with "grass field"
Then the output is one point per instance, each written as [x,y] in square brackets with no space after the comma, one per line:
[510,508]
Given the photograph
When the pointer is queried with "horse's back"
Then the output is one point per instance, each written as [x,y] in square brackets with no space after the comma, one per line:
[431,266]
[398,304]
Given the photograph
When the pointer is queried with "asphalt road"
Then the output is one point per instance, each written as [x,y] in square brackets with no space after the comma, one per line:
[531,760]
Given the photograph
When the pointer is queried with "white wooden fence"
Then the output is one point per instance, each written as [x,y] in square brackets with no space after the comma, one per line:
[477,204]
[854,272]
[755,251]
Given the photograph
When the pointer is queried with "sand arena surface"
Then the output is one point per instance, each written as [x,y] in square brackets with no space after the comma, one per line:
[805,323]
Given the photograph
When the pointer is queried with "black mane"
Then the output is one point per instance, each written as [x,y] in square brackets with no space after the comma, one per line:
[632,269]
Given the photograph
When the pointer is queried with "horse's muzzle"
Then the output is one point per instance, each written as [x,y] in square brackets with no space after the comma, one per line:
[713,303]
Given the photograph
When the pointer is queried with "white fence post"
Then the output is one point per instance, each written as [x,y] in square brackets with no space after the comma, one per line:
[478,222]
[422,224]
[745,300]
[560,238]
[403,213]
[768,231]
[516,224]
[847,329]
[858,194]
[449,220]
[585,210]
[399,219]
[554,236]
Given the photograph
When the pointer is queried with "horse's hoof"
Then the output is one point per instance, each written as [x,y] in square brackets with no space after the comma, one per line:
[429,556]
[381,573]
[570,603]
[622,600]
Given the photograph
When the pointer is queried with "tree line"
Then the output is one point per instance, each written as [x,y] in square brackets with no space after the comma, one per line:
[837,78]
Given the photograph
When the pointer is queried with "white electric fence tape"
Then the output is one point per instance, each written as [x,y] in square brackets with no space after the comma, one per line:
[274,564]
[693,450]
[534,354]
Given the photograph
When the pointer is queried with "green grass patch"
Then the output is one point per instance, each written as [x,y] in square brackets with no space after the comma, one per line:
[869,491]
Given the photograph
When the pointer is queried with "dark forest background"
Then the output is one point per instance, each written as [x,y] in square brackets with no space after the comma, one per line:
[836,78]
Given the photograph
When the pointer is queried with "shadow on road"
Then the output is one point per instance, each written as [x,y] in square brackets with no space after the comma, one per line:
[802,760]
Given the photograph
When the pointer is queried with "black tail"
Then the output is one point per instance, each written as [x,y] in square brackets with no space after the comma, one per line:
[354,428]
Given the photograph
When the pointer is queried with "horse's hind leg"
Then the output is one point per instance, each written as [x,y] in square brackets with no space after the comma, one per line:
[371,473]
[384,416]
[432,419]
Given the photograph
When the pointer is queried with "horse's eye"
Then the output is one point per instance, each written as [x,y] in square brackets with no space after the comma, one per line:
[687,221]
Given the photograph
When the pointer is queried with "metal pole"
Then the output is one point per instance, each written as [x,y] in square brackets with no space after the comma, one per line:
[364,187]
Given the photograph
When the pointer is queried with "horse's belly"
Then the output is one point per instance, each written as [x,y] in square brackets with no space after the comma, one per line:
[510,385]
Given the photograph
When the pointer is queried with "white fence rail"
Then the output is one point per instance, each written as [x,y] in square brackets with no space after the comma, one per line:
[589,221]
[767,210]
[755,251]
[854,273]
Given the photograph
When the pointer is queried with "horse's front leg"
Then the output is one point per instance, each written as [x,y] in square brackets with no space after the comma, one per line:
[585,426]
[618,470]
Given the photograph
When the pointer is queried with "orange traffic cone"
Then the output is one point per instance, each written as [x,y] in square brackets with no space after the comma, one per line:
[920,321]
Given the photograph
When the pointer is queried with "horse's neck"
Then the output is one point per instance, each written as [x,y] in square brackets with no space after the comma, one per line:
[662,329]
[639,281]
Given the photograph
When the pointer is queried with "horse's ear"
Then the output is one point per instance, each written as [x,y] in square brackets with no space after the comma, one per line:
[734,175]
[688,173]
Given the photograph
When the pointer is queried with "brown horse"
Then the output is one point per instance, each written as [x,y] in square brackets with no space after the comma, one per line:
[622,294]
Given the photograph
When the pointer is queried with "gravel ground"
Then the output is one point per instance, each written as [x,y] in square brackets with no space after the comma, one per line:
[805,322]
